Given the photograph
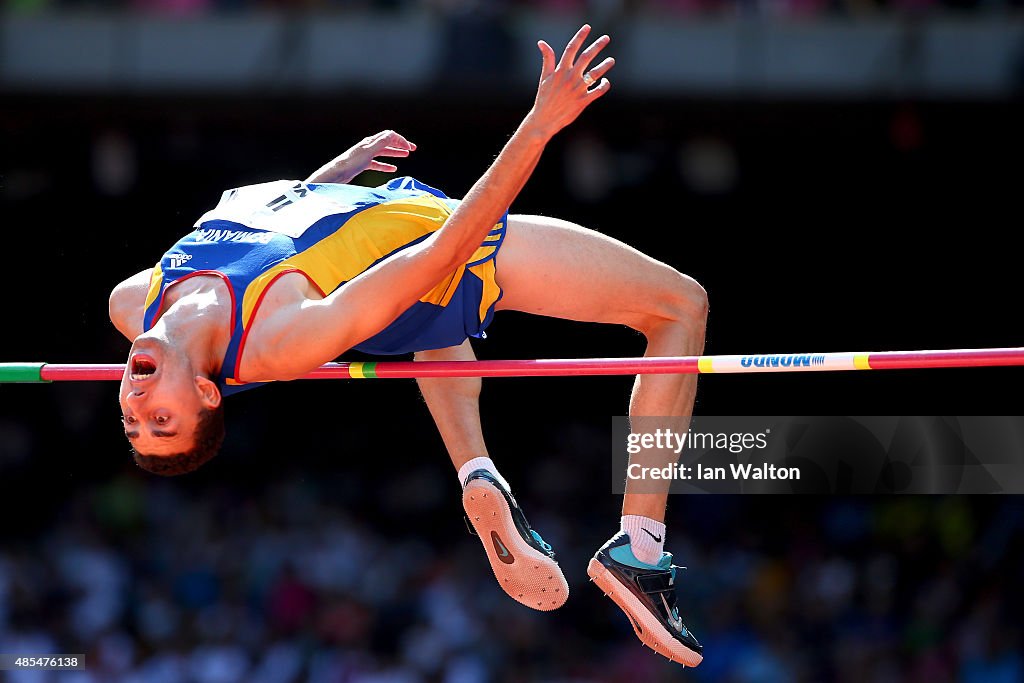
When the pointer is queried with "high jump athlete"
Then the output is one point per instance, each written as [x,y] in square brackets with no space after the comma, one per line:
[282,277]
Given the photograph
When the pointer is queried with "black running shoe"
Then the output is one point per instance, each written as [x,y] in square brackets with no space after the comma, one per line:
[647,594]
[522,562]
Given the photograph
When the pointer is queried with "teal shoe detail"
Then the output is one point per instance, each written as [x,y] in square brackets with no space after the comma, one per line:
[544,544]
[652,605]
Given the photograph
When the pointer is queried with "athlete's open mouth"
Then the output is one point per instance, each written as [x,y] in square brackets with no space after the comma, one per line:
[143,367]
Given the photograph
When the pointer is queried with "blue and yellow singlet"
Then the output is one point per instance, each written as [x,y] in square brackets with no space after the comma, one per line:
[330,233]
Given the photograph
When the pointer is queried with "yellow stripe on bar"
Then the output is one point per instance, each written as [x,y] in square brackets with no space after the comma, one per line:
[705,364]
[860,361]
[355,370]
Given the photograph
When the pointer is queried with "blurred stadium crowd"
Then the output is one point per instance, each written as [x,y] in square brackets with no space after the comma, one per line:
[600,9]
[159,583]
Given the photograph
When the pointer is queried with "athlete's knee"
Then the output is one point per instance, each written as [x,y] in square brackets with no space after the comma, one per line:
[681,300]
[693,297]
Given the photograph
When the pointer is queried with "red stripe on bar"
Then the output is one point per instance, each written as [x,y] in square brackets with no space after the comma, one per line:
[408,369]
[80,373]
[962,358]
[569,367]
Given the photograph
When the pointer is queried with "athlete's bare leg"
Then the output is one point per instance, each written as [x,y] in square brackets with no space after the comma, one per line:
[523,564]
[454,403]
[599,279]
[554,268]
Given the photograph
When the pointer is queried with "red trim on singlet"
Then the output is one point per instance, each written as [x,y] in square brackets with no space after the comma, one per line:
[163,292]
[256,310]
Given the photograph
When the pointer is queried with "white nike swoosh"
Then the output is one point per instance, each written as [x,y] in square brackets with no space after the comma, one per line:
[675,622]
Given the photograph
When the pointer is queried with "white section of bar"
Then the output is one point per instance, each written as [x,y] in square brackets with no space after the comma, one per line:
[783,362]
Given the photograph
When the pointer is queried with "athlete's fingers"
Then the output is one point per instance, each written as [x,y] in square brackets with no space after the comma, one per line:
[547,57]
[395,152]
[381,166]
[569,56]
[602,68]
[399,140]
[588,55]
[389,138]
[599,90]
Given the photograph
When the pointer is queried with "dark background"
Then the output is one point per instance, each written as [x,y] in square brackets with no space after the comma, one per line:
[325,543]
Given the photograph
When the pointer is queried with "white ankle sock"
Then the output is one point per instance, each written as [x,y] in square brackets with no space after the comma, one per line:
[481,464]
[646,536]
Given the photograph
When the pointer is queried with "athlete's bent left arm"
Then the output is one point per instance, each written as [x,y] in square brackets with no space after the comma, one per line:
[127,303]
[362,157]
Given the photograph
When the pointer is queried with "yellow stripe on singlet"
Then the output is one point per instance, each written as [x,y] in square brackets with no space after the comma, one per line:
[156,281]
[366,238]
[361,241]
[485,271]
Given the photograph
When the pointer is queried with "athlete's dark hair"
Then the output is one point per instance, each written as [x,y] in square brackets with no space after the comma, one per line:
[208,437]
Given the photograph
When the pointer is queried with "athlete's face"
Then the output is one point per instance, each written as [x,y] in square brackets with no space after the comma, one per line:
[161,399]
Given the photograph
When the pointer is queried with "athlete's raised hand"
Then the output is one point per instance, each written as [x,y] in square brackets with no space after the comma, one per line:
[569,85]
[362,157]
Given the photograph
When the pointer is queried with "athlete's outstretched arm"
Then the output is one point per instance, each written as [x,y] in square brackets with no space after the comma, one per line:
[362,157]
[300,339]
[126,304]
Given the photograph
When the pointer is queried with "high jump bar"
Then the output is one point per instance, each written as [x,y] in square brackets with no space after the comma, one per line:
[574,367]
